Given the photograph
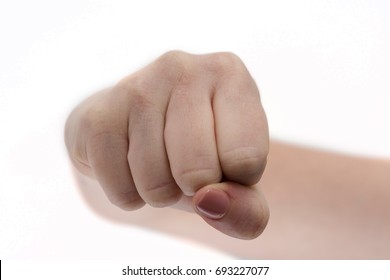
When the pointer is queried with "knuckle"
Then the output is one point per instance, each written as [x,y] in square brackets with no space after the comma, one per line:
[173,55]
[174,60]
[244,165]
[139,98]
[98,136]
[224,62]
[135,88]
[126,201]
[140,102]
[92,118]
[89,123]
[191,180]
[161,194]
[99,120]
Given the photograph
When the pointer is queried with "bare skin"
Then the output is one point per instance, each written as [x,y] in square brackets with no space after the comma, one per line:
[188,131]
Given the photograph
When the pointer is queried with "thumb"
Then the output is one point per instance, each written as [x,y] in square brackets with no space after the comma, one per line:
[236,210]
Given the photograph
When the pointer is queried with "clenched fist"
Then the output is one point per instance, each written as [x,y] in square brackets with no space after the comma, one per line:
[184,128]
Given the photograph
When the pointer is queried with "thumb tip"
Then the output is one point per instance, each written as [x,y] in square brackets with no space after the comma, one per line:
[236,210]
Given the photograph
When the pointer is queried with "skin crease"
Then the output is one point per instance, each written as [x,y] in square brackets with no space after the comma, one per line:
[323,205]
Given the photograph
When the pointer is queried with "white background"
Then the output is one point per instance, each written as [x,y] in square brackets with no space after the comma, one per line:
[322,68]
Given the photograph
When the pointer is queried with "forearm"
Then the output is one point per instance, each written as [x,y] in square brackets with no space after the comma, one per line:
[326,205]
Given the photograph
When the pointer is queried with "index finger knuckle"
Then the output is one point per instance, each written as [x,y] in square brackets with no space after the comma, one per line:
[244,165]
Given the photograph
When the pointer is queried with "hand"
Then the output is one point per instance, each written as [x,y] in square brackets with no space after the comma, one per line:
[186,128]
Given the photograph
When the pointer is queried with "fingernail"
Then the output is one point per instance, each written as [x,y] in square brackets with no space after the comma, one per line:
[214,204]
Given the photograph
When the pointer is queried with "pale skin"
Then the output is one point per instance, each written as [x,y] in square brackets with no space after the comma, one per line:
[189,132]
